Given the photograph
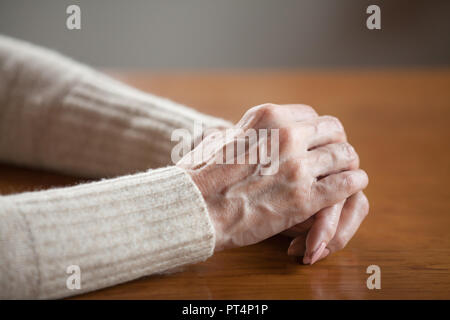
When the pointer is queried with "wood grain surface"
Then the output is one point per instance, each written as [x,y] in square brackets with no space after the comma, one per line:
[398,121]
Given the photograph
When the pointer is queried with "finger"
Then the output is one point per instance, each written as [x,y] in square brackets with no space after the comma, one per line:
[302,227]
[337,187]
[333,158]
[297,246]
[322,231]
[270,115]
[354,212]
[299,112]
[324,130]
[322,227]
[325,253]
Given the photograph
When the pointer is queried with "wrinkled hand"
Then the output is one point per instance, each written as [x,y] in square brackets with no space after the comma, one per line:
[317,169]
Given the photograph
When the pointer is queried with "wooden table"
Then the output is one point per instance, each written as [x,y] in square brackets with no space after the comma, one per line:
[398,121]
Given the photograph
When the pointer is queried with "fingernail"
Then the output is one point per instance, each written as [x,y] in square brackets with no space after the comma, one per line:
[318,253]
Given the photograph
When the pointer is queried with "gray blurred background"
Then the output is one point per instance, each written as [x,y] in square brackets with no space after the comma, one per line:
[193,34]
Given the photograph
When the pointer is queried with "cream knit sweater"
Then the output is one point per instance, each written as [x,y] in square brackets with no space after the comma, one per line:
[57,114]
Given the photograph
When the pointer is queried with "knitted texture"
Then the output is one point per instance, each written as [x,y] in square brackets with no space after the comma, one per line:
[115,230]
[58,114]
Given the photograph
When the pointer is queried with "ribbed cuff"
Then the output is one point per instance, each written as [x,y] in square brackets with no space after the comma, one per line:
[115,230]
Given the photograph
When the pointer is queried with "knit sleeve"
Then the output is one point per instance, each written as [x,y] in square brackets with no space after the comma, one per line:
[58,114]
[113,230]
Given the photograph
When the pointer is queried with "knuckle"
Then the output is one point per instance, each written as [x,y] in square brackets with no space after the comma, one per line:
[268,105]
[309,109]
[259,116]
[354,163]
[260,109]
[269,111]
[325,154]
[257,111]
[349,151]
[334,122]
[349,182]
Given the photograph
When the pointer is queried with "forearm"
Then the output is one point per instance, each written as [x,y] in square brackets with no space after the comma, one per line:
[61,115]
[115,230]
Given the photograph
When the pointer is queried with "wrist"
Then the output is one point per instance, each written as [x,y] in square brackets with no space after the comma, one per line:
[215,207]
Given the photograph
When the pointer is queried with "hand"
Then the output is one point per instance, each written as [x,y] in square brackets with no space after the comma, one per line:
[329,230]
[247,207]
[312,237]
